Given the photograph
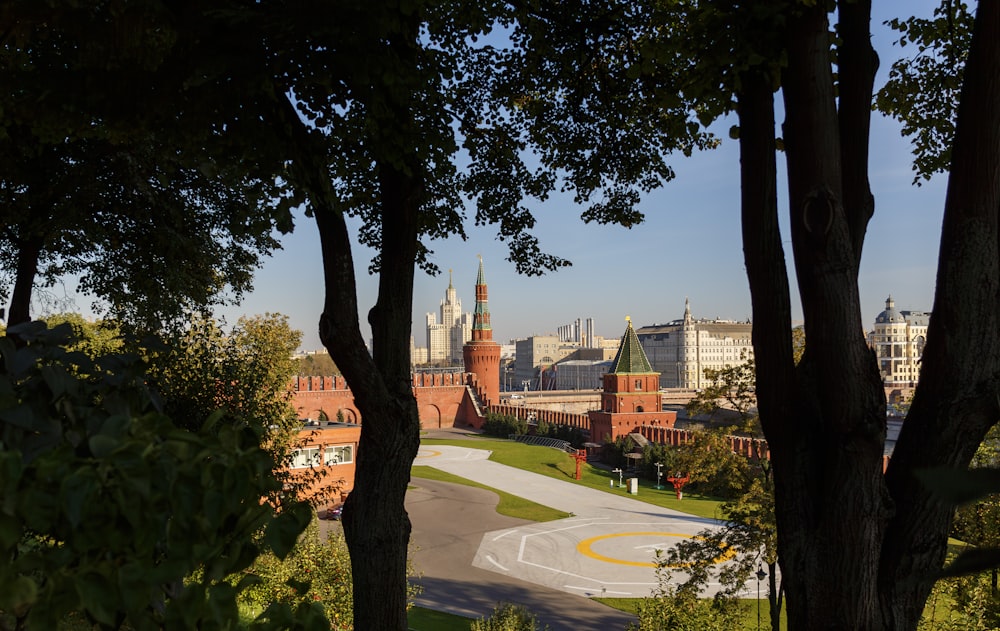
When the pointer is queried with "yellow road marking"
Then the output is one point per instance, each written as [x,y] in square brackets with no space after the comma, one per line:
[584,548]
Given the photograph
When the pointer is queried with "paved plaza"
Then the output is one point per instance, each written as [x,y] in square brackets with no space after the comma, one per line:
[607,548]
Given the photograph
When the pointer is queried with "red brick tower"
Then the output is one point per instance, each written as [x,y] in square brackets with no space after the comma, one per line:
[481,353]
[631,396]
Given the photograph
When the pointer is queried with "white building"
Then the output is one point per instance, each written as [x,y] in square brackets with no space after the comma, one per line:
[898,341]
[445,338]
[681,350]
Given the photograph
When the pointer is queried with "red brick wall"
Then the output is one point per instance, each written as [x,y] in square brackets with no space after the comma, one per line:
[440,399]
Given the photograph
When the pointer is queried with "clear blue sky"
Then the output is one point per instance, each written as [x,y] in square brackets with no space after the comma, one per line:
[689,246]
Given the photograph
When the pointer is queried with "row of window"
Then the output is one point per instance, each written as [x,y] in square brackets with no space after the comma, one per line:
[332,455]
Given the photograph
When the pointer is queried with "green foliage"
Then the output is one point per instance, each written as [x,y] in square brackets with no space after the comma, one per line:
[508,617]
[246,372]
[613,452]
[104,177]
[92,338]
[749,541]
[734,385]
[923,89]
[574,436]
[712,465]
[678,608]
[503,425]
[318,570]
[666,455]
[963,603]
[316,365]
[110,509]
[976,493]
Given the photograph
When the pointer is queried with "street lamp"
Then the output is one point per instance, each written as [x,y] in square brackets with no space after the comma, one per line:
[619,472]
[761,575]
[659,468]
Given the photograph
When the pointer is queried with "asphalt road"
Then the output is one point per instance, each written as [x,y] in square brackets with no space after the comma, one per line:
[449,521]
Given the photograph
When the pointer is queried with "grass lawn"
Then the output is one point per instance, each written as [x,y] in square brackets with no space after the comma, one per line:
[510,505]
[421,619]
[560,465]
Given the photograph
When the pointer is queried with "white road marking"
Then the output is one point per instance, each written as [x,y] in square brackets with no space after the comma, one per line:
[489,557]
[504,534]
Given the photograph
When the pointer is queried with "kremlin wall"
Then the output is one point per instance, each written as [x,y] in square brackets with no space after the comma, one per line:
[631,402]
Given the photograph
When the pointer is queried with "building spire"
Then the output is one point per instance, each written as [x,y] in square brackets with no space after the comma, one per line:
[687,311]
[481,329]
[631,359]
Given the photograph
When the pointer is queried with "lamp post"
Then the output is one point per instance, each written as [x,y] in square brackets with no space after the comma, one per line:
[761,575]
[659,468]
[619,472]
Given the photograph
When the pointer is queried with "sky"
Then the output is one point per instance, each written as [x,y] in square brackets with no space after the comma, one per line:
[689,247]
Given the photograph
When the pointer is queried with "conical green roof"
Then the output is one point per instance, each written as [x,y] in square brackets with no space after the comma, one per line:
[630,358]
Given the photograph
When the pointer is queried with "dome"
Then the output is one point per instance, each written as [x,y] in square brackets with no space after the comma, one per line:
[890,315]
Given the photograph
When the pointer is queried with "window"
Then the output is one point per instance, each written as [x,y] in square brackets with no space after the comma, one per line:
[638,384]
[306,457]
[339,454]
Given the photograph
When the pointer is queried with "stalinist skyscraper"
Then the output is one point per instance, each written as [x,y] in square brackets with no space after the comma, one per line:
[482,354]
[445,338]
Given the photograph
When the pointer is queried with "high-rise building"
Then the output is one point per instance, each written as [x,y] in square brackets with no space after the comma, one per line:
[681,350]
[481,354]
[898,341]
[446,337]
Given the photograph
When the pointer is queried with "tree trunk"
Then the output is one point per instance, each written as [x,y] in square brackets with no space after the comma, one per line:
[831,504]
[773,597]
[29,249]
[376,526]
[956,401]
[765,261]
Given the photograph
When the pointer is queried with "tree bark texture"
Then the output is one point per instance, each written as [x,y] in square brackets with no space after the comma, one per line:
[956,401]
[765,259]
[376,526]
[29,250]
[858,549]
[831,504]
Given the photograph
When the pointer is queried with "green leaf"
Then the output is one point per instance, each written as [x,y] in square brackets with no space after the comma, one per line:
[973,562]
[98,596]
[20,594]
[283,531]
[958,486]
[102,446]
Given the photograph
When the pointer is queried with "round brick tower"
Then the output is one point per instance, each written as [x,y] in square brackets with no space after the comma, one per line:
[481,353]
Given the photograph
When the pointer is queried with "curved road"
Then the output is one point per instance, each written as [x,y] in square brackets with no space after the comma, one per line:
[449,521]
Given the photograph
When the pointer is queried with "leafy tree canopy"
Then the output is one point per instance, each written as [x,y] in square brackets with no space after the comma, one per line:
[101,492]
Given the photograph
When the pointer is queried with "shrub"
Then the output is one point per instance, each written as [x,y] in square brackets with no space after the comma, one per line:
[503,425]
[508,617]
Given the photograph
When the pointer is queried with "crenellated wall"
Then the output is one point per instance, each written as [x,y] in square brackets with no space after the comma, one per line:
[552,417]
[441,399]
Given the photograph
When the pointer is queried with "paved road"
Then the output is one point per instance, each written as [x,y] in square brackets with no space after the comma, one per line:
[471,557]
[448,524]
